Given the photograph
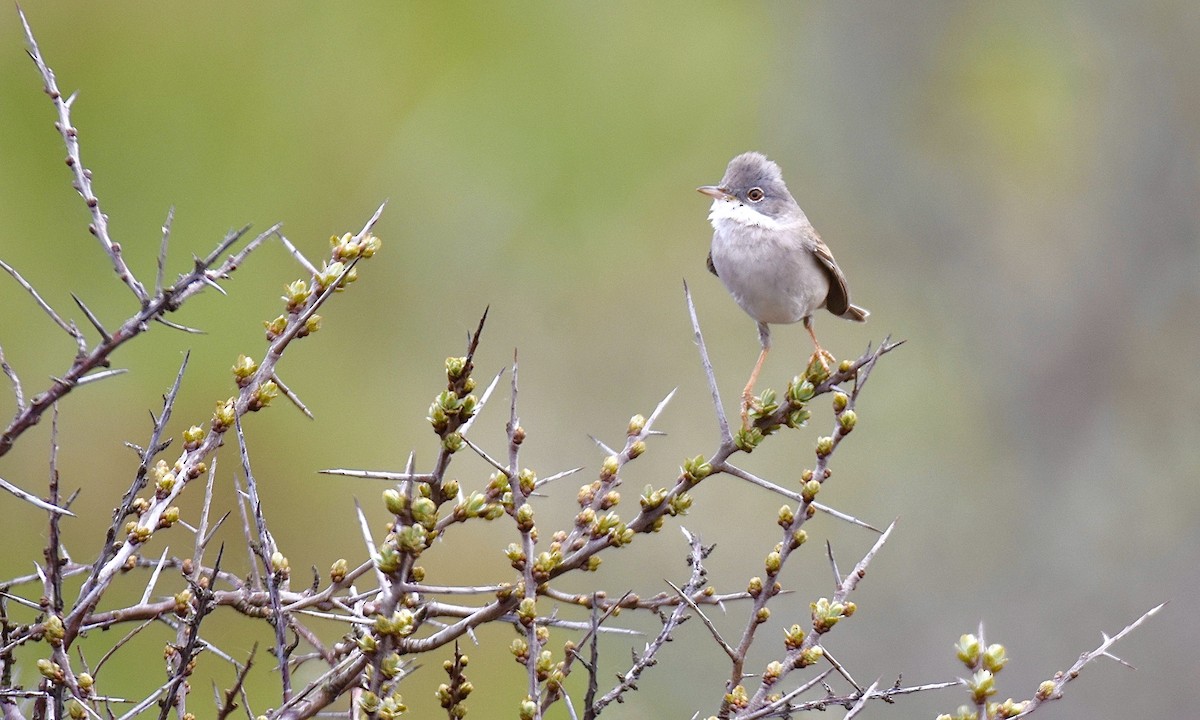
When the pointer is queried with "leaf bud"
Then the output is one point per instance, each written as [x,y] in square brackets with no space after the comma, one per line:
[637,423]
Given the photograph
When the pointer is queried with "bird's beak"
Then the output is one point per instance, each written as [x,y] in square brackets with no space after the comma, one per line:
[715,192]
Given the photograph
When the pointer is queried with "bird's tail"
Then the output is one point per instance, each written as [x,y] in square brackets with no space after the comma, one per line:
[856,313]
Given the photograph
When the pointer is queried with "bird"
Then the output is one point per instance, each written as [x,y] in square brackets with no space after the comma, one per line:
[770,258]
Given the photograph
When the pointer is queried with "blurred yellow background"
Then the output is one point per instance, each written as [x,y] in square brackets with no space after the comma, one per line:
[1012,188]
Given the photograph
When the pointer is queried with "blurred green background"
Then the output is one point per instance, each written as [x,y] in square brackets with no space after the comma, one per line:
[1010,187]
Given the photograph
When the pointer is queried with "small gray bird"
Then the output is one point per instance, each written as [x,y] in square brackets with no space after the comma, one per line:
[770,258]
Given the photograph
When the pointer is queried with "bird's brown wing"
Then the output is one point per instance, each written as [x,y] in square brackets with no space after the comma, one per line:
[838,300]
[711,268]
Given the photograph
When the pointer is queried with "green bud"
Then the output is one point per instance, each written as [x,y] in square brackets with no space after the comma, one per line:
[610,467]
[847,420]
[799,392]
[393,707]
[738,698]
[825,614]
[391,666]
[652,498]
[968,650]
[337,571]
[329,274]
[165,485]
[764,404]
[412,540]
[515,555]
[840,400]
[637,423]
[453,442]
[995,658]
[637,448]
[367,644]
[525,518]
[50,670]
[527,611]
[810,656]
[799,538]
[816,372]
[773,563]
[295,294]
[368,702]
[455,368]
[224,415]
[797,418]
[981,685]
[402,623]
[311,325]
[824,446]
[472,506]
[192,437]
[793,637]
[680,504]
[520,649]
[695,469]
[527,481]
[754,587]
[395,501]
[786,516]
[809,490]
[528,709]
[243,370]
[747,439]
[275,327]
[762,615]
[54,630]
[425,512]
[263,396]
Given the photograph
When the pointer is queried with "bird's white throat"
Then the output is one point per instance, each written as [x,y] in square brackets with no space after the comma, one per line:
[741,214]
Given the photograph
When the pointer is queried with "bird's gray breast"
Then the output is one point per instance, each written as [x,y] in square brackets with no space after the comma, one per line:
[770,272]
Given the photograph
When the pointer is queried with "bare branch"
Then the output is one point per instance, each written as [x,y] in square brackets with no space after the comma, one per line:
[32,499]
[83,177]
[68,328]
[722,421]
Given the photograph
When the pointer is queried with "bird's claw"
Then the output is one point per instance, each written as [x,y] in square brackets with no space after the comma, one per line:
[818,365]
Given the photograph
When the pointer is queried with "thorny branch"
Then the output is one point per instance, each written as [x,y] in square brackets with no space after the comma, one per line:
[400,612]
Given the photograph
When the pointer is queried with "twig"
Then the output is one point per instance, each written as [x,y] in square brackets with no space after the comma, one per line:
[33,499]
[722,421]
[229,703]
[1061,679]
[83,177]
[68,328]
[266,546]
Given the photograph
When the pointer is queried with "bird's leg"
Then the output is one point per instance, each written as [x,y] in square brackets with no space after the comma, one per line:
[764,338]
[821,355]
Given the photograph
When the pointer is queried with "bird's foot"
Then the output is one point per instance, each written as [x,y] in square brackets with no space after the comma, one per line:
[818,365]
[747,403]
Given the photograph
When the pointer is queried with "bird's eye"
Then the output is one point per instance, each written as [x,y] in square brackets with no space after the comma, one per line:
[755,194]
